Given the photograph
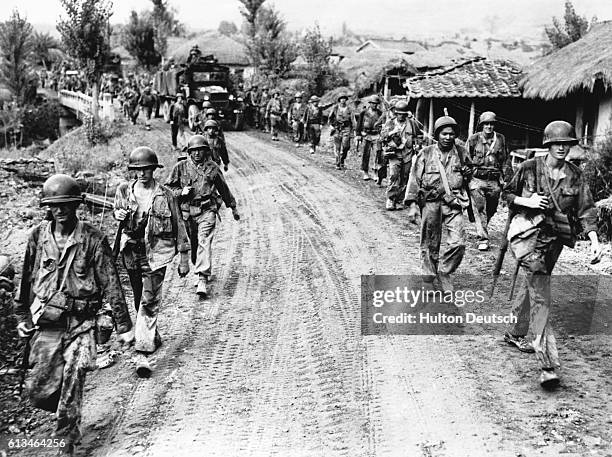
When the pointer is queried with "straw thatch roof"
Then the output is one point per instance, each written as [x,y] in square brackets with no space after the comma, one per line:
[369,66]
[405,46]
[225,49]
[478,77]
[576,66]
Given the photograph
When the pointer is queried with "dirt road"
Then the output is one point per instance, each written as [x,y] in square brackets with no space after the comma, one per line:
[274,364]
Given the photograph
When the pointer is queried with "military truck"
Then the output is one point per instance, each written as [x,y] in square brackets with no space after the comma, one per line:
[201,79]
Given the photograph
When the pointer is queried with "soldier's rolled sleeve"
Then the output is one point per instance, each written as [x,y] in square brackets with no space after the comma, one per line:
[224,191]
[414,181]
[108,281]
[587,214]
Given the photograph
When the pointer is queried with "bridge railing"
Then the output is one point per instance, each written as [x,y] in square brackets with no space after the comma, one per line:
[82,103]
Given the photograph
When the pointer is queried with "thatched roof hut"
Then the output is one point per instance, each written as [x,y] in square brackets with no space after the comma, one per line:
[225,49]
[577,66]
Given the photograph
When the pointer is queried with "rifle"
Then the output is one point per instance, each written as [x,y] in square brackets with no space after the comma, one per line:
[24,363]
[466,186]
[117,243]
[502,253]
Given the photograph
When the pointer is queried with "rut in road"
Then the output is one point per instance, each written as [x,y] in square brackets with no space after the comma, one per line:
[274,363]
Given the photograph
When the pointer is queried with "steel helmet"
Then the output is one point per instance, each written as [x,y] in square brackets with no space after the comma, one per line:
[314,98]
[487,116]
[206,104]
[59,189]
[445,121]
[197,142]
[341,96]
[559,132]
[143,157]
[374,99]
[401,107]
[298,94]
[180,94]
[210,124]
[211,111]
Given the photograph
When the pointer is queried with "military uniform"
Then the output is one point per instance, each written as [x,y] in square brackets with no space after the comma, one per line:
[177,118]
[341,119]
[147,103]
[369,127]
[274,111]
[61,353]
[264,98]
[398,139]
[149,243]
[489,156]
[426,188]
[297,112]
[201,209]
[313,118]
[537,251]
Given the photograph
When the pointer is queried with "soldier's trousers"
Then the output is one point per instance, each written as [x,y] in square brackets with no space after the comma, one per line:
[176,131]
[203,227]
[261,119]
[399,171]
[275,122]
[342,145]
[434,216]
[369,144]
[297,128]
[148,111]
[532,301]
[314,134]
[48,349]
[148,290]
[485,197]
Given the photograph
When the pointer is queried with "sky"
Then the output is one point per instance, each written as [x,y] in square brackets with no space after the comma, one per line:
[410,18]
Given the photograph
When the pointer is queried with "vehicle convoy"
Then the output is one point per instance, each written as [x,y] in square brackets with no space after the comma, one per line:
[200,80]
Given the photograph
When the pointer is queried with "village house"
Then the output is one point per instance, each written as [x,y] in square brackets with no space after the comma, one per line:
[576,82]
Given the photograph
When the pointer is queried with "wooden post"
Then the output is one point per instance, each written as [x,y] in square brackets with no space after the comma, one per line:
[431,118]
[472,116]
[417,111]
[579,124]
[386,89]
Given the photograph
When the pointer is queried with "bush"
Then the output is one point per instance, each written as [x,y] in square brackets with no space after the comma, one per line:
[41,122]
[598,169]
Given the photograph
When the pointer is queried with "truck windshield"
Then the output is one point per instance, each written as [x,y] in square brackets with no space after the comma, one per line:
[200,76]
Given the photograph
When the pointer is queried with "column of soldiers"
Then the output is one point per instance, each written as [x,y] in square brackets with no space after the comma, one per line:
[69,270]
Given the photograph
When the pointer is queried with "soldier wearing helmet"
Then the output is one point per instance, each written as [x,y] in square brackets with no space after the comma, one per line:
[342,120]
[68,270]
[153,233]
[147,103]
[262,105]
[295,117]
[368,128]
[488,151]
[199,185]
[437,187]
[274,111]
[178,114]
[399,139]
[312,120]
[217,143]
[553,197]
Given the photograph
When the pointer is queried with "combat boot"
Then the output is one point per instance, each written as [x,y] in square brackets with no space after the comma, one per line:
[390,205]
[366,176]
[202,290]
[549,379]
[143,368]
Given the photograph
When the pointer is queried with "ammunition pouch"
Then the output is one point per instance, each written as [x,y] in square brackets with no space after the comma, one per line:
[487,174]
[200,204]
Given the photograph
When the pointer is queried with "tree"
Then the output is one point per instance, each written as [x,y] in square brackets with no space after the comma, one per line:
[84,35]
[271,49]
[575,27]
[16,47]
[250,11]
[316,51]
[45,49]
[139,39]
[227,28]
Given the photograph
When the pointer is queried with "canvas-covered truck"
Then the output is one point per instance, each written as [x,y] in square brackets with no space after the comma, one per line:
[200,80]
